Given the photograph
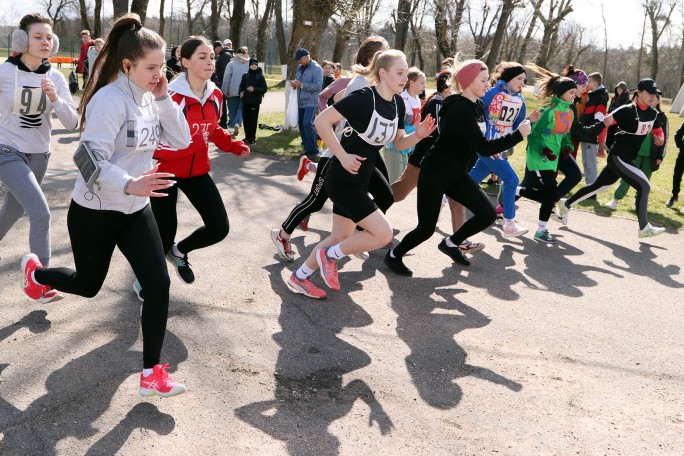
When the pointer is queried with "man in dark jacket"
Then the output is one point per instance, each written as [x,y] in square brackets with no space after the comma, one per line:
[595,109]
[252,90]
[223,57]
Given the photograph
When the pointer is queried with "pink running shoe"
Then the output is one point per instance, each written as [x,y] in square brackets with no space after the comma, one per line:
[328,269]
[303,167]
[305,287]
[40,293]
[499,216]
[160,383]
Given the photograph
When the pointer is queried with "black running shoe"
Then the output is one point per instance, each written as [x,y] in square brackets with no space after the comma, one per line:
[671,202]
[454,253]
[397,265]
[182,266]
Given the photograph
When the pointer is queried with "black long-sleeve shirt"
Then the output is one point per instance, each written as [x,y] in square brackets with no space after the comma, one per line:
[462,137]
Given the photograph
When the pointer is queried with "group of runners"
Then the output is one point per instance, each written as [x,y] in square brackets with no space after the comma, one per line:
[151,138]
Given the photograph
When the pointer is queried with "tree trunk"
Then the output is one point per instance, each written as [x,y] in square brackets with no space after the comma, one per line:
[417,49]
[280,32]
[188,16]
[84,15]
[261,32]
[543,55]
[528,38]
[442,29]
[680,68]
[214,20]
[641,51]
[315,12]
[236,21]
[162,20]
[343,34]
[402,24]
[506,11]
[120,7]
[97,21]
[140,7]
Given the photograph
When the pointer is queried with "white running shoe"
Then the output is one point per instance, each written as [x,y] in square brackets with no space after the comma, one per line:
[512,229]
[363,256]
[611,204]
[562,211]
[283,246]
[650,231]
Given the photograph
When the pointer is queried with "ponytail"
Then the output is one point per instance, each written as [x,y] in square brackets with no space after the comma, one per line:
[128,39]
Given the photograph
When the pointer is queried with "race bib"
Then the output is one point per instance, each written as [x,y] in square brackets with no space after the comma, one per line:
[510,108]
[644,128]
[483,127]
[562,122]
[30,101]
[143,133]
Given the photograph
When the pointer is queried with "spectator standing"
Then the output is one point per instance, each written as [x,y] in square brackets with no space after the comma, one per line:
[252,90]
[224,56]
[309,83]
[337,70]
[678,169]
[82,67]
[93,52]
[231,88]
[173,66]
[328,69]
[595,109]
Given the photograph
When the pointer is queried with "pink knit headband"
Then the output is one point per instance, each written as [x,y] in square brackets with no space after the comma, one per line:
[467,73]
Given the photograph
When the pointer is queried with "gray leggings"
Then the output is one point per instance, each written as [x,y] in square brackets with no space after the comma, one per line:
[21,174]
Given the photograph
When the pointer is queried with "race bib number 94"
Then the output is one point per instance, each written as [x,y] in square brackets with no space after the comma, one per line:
[30,101]
[143,133]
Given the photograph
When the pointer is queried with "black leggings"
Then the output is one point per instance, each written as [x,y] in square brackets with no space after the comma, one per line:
[431,188]
[615,169]
[540,186]
[678,172]
[378,186]
[94,234]
[202,193]
[573,176]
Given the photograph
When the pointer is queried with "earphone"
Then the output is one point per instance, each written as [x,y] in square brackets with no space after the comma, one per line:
[20,42]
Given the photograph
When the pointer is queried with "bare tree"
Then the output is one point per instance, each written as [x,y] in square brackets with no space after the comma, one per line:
[162,20]
[120,7]
[190,19]
[367,12]
[214,20]
[605,40]
[528,36]
[57,10]
[482,31]
[280,32]
[680,66]
[657,11]
[558,9]
[641,51]
[83,9]
[402,18]
[348,12]
[507,7]
[573,35]
[448,18]
[310,19]
[236,21]
[139,7]
[416,24]
[263,23]
[97,19]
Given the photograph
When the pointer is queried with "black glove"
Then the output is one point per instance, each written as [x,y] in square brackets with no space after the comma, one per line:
[549,153]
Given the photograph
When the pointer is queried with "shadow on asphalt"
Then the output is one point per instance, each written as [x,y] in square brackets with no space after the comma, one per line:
[81,391]
[310,394]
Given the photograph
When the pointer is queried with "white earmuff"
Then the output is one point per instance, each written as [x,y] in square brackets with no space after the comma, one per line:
[20,42]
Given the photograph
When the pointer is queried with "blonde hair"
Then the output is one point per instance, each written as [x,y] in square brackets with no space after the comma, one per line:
[459,64]
[381,60]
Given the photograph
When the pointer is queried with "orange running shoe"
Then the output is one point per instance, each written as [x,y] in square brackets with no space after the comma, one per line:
[328,269]
[305,287]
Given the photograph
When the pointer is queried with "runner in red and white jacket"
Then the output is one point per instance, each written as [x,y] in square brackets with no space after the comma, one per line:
[200,101]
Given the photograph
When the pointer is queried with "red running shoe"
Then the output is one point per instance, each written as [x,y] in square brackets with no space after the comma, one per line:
[303,167]
[305,287]
[40,293]
[304,224]
[160,383]
[328,269]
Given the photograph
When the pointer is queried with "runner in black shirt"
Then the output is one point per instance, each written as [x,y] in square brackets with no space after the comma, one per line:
[373,118]
[444,168]
[634,121]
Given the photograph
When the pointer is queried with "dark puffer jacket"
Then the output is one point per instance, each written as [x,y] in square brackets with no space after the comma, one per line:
[254,79]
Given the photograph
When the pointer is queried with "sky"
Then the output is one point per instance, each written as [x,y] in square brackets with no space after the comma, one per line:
[624,17]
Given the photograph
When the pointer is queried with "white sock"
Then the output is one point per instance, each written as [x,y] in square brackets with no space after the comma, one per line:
[392,254]
[147,372]
[449,243]
[176,252]
[33,277]
[283,235]
[508,220]
[335,252]
[304,272]
[542,226]
[517,190]
[311,166]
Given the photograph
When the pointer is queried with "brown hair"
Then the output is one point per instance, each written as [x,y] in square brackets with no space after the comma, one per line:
[33,18]
[128,39]
[189,47]
[367,51]
[596,77]
[242,50]
[413,74]
[547,80]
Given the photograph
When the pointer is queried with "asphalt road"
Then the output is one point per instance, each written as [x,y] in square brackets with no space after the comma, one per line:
[533,349]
